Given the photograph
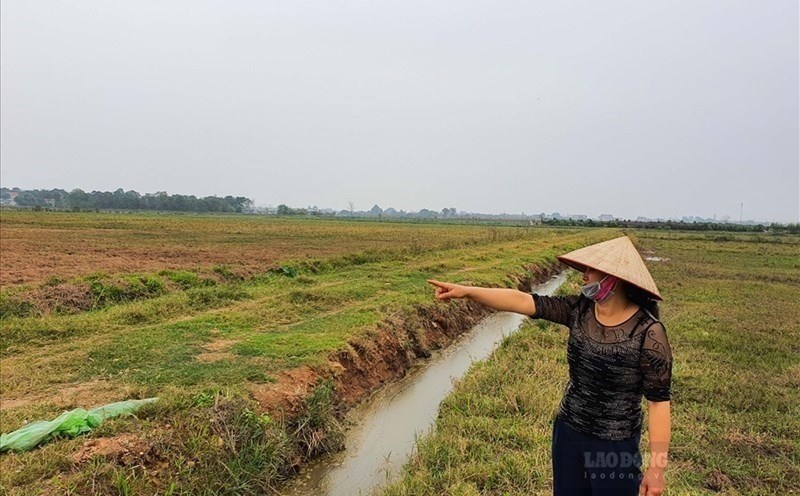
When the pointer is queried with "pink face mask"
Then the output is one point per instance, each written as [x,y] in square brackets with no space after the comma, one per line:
[600,291]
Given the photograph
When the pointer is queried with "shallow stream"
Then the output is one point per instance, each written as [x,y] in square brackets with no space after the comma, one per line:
[387,425]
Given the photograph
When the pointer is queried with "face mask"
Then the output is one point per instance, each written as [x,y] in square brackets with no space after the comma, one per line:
[600,291]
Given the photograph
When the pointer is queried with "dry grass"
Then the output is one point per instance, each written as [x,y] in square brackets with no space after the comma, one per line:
[37,246]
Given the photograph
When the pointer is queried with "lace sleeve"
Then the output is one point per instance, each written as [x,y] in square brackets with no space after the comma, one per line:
[556,309]
[656,363]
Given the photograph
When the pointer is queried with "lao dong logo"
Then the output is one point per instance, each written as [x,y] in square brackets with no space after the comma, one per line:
[623,461]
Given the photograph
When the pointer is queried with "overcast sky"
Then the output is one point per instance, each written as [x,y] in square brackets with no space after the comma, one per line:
[659,109]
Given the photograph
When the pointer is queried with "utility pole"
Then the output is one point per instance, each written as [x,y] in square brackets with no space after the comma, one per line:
[741,209]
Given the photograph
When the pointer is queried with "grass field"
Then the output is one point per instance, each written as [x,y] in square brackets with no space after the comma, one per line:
[732,315]
[211,334]
[251,297]
[38,246]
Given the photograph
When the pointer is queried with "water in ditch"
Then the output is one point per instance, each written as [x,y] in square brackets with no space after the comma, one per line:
[387,425]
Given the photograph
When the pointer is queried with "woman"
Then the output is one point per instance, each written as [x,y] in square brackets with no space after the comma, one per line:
[617,352]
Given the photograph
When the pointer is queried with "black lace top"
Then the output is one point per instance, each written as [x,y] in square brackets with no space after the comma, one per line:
[610,368]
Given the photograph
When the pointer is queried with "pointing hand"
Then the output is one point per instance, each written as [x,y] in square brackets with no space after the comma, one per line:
[446,290]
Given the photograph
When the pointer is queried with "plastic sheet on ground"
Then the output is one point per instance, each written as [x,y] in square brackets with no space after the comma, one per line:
[70,424]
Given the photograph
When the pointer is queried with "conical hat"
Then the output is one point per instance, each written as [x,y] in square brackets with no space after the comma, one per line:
[617,257]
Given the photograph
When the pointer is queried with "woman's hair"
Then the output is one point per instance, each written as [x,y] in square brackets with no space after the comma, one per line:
[641,298]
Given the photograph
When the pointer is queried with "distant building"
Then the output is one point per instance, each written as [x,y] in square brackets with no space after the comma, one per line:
[606,218]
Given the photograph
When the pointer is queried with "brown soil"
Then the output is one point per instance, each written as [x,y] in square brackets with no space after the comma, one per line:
[38,247]
[126,449]
[216,351]
[286,395]
[219,345]
[9,404]
[214,357]
[32,255]
[85,395]
[758,443]
[717,481]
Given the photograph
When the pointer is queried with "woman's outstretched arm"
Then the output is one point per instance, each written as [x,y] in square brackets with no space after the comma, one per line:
[506,300]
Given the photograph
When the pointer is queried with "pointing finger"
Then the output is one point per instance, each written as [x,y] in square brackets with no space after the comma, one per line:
[440,284]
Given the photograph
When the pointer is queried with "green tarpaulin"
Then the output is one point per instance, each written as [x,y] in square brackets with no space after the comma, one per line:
[70,424]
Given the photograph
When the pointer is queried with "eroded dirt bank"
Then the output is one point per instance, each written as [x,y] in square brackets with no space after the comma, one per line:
[369,362]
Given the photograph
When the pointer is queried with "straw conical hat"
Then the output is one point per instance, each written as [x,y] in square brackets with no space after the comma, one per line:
[617,257]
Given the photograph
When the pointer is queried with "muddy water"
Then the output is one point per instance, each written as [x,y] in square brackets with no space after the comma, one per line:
[388,424]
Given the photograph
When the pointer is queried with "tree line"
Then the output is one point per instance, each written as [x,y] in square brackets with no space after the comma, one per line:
[791,228]
[77,199]
[120,199]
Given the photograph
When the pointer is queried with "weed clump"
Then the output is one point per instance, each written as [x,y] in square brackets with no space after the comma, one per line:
[11,306]
[129,288]
[214,297]
[227,274]
[187,280]
[284,270]
[319,428]
[239,451]
[218,443]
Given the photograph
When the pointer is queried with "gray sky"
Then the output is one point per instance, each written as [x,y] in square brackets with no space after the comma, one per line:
[631,108]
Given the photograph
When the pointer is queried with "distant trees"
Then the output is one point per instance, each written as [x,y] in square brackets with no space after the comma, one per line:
[678,225]
[449,212]
[27,199]
[33,198]
[790,228]
[286,210]
[78,199]
[428,214]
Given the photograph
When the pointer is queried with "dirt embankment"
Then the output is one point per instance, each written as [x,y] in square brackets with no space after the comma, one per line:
[386,355]
[399,342]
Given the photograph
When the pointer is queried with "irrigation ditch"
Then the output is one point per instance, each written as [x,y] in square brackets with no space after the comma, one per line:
[384,364]
[286,431]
